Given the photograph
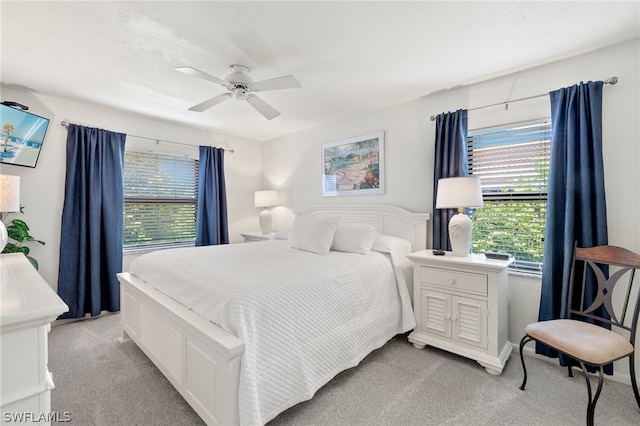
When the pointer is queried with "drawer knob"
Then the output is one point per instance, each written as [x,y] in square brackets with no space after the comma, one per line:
[451,281]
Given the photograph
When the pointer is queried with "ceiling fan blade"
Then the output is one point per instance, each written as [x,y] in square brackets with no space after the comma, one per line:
[284,82]
[263,108]
[210,102]
[201,74]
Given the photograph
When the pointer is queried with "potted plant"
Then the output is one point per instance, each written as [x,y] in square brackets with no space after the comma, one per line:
[18,235]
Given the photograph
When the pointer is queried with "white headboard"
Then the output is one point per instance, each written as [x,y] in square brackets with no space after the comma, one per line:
[389,220]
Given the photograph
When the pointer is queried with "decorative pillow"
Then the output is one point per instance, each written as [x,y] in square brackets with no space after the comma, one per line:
[313,233]
[354,237]
[282,234]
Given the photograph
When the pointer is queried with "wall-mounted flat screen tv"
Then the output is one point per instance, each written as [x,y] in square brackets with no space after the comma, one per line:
[21,136]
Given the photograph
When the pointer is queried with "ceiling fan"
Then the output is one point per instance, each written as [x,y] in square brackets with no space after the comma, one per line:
[241,85]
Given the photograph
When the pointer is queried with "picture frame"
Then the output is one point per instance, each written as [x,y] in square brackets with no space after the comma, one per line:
[353,166]
[21,136]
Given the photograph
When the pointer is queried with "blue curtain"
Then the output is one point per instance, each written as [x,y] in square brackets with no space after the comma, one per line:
[92,222]
[450,161]
[211,216]
[576,209]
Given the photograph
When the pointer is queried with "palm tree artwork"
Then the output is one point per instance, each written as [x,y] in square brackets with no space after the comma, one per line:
[7,129]
[353,165]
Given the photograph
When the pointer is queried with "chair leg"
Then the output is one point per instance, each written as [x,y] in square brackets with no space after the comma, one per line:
[632,373]
[526,339]
[591,406]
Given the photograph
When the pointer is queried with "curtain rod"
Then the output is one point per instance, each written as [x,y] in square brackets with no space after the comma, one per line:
[65,124]
[612,80]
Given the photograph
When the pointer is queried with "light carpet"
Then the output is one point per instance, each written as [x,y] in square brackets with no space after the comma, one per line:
[100,381]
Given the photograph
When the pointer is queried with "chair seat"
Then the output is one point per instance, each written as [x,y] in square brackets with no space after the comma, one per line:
[589,343]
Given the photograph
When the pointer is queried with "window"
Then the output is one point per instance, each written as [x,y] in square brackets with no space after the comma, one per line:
[160,200]
[513,164]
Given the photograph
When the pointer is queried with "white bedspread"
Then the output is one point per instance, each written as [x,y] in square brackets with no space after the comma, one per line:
[303,317]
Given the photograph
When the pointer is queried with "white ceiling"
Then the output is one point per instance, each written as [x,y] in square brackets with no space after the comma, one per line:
[350,57]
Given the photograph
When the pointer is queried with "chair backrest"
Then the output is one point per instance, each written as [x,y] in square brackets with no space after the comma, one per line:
[594,262]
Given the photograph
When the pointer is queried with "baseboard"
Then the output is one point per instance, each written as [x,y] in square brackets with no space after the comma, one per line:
[530,351]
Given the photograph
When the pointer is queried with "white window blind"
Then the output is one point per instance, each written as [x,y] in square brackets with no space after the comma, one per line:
[160,200]
[513,164]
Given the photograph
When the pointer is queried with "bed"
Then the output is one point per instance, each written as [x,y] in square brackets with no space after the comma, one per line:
[279,322]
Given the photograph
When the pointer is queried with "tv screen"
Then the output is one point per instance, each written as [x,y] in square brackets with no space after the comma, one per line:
[21,136]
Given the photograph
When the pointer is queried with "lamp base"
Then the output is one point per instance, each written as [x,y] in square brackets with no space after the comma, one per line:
[265,221]
[4,236]
[460,235]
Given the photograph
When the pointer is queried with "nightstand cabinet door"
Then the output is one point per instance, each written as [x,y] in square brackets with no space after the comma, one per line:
[469,321]
[436,312]
[454,317]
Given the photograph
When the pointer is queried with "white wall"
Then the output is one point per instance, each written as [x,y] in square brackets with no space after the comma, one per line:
[42,187]
[293,165]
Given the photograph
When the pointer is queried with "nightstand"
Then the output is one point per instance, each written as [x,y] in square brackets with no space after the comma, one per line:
[461,306]
[257,236]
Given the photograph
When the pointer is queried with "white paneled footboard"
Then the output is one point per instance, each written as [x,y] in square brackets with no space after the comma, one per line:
[201,360]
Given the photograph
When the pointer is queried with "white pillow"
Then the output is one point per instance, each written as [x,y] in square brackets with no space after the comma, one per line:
[313,233]
[354,237]
[390,244]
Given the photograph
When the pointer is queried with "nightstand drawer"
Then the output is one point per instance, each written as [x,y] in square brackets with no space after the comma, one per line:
[454,280]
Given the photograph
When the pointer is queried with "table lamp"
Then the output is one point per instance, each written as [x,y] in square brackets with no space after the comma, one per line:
[9,202]
[265,199]
[459,193]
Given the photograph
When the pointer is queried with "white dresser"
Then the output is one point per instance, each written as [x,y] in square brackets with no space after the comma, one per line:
[461,306]
[28,305]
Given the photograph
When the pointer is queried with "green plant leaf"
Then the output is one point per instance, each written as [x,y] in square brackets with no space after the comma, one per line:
[20,223]
[30,238]
[33,262]
[11,248]
[18,232]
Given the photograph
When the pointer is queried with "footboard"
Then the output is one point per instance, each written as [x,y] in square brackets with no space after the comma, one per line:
[201,360]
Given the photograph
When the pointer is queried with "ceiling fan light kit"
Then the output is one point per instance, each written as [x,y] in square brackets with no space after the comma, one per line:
[241,85]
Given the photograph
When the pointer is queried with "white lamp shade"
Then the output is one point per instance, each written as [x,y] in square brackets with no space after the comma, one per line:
[9,193]
[266,198]
[459,192]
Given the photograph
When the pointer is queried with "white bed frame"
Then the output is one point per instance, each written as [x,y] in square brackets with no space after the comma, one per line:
[200,359]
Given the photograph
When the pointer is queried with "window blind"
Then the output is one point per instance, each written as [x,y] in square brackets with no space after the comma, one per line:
[513,165]
[160,200]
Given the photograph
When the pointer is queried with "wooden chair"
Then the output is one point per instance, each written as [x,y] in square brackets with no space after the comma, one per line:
[589,344]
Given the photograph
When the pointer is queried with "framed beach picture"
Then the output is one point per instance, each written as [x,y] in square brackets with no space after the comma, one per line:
[21,136]
[353,166]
